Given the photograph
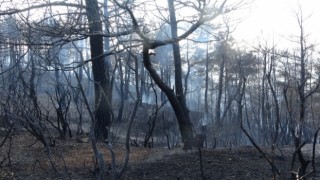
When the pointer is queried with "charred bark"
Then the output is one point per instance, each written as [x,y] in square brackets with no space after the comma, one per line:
[101,79]
[185,125]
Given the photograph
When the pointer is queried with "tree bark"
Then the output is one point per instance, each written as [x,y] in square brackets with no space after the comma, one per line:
[206,104]
[185,125]
[177,57]
[178,80]
[188,72]
[220,82]
[102,84]
[121,108]
[32,91]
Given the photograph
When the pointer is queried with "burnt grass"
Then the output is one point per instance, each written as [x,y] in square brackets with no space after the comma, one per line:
[224,163]
[73,159]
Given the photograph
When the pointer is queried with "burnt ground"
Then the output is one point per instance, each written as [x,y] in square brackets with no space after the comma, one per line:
[74,160]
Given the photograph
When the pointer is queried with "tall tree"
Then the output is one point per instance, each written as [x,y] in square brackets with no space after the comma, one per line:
[101,78]
[302,58]
[187,127]
[222,58]
[176,99]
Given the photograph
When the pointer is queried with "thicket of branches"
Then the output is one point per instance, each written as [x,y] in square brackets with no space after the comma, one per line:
[147,73]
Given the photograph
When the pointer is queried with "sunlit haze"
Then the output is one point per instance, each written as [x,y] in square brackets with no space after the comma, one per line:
[276,20]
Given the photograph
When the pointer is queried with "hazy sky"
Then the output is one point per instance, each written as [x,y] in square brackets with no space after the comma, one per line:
[275,19]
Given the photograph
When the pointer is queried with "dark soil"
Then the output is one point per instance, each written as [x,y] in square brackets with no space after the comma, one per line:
[239,163]
[74,160]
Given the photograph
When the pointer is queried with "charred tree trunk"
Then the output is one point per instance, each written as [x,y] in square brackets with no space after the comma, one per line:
[220,83]
[136,73]
[263,99]
[121,108]
[185,119]
[185,125]
[32,91]
[102,80]
[177,100]
[206,104]
[177,57]
[188,72]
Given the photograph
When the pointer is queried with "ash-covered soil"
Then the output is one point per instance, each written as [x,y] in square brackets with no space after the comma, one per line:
[73,159]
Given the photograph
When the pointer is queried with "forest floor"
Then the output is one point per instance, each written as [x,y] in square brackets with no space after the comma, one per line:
[74,160]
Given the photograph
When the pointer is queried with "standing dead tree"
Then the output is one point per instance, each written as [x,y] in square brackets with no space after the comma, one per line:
[241,93]
[205,14]
[299,133]
[103,110]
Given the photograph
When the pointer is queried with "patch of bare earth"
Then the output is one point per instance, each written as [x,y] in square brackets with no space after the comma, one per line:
[74,160]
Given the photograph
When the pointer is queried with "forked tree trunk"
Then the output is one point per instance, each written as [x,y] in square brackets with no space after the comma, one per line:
[185,125]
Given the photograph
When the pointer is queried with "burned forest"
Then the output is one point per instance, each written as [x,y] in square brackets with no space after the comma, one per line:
[175,89]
